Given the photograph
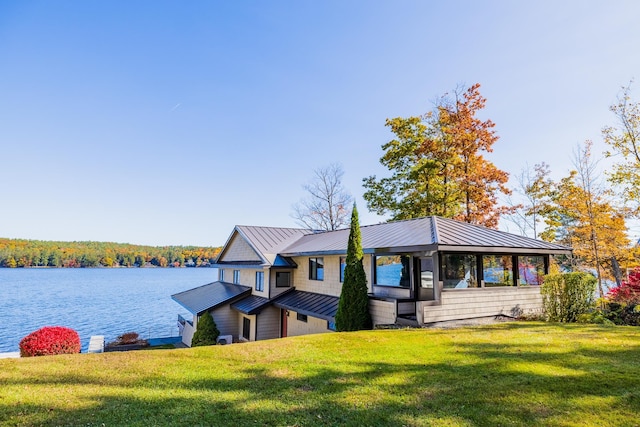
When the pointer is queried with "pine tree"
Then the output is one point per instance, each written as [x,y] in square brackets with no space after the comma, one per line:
[353,307]
[206,331]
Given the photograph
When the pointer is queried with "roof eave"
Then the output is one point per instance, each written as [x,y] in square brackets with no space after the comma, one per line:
[504,249]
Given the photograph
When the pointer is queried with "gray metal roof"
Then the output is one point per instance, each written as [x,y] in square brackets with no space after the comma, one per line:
[252,304]
[311,304]
[268,242]
[428,233]
[206,297]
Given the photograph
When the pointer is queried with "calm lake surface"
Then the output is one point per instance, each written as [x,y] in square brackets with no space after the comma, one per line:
[94,301]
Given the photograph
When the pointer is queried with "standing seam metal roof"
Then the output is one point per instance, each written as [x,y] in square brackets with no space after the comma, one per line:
[206,297]
[252,304]
[419,232]
[309,303]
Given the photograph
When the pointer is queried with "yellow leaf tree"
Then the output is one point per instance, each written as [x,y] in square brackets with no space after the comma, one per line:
[580,213]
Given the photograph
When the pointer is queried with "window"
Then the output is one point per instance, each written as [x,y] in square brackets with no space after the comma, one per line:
[246,328]
[530,270]
[316,268]
[497,270]
[302,317]
[393,270]
[459,271]
[343,264]
[283,279]
[331,326]
[236,276]
[221,275]
[259,280]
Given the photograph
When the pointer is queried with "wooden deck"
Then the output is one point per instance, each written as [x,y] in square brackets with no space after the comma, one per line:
[96,344]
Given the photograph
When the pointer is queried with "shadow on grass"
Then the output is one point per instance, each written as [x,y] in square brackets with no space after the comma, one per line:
[477,383]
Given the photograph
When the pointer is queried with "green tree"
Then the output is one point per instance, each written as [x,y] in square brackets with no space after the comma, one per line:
[353,307]
[438,165]
[567,296]
[206,331]
[10,262]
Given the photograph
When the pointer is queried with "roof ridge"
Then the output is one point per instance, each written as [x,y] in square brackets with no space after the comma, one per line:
[270,227]
[434,229]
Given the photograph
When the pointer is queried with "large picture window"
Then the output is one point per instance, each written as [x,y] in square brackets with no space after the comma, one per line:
[316,268]
[497,270]
[530,270]
[393,270]
[459,271]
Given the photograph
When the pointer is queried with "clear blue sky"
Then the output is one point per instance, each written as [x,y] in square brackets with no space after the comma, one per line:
[164,122]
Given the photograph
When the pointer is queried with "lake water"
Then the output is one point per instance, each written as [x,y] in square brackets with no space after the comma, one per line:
[104,301]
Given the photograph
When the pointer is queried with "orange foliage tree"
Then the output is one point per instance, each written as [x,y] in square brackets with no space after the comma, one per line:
[438,165]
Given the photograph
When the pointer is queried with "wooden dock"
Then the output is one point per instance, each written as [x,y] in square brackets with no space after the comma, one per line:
[96,344]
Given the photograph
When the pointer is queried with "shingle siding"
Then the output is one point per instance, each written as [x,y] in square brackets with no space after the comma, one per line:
[268,324]
[239,250]
[313,325]
[472,303]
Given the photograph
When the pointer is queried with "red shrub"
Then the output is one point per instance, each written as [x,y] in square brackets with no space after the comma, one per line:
[629,291]
[50,340]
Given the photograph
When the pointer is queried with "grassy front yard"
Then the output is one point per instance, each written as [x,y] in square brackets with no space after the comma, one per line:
[507,374]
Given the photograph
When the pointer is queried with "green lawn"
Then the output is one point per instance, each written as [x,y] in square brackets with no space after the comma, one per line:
[506,374]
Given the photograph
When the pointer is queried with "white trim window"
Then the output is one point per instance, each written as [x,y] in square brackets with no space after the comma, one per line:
[260,281]
[236,277]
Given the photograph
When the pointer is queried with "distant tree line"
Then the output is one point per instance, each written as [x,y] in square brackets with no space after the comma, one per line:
[16,253]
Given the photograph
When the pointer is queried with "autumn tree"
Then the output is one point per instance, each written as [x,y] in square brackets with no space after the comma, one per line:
[580,214]
[438,165]
[624,142]
[327,206]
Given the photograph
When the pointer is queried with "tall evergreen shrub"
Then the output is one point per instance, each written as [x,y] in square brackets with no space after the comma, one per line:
[206,331]
[353,307]
[566,296]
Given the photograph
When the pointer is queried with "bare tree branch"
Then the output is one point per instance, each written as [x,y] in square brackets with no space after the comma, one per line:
[328,206]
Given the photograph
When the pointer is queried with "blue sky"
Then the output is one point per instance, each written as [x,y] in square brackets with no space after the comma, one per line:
[163,122]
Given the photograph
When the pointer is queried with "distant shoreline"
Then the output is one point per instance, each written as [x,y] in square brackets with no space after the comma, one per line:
[41,267]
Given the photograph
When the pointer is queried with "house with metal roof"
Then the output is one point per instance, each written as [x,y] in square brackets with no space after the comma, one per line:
[278,282]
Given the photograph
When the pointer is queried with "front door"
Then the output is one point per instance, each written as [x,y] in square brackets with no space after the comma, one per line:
[283,324]
[423,269]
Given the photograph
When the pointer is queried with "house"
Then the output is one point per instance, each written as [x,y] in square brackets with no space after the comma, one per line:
[278,282]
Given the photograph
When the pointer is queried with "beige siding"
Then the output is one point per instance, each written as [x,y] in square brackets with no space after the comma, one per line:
[331,284]
[313,325]
[239,250]
[471,303]
[272,283]
[382,312]
[226,320]
[268,324]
